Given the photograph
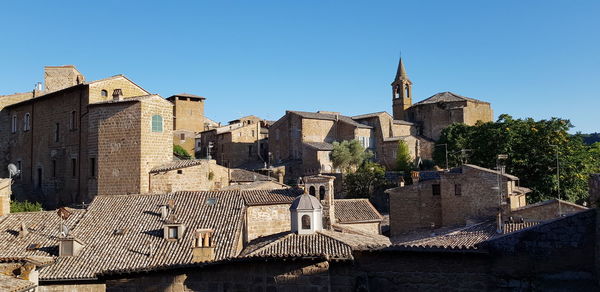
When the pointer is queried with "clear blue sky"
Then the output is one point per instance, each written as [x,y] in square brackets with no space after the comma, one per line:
[535,59]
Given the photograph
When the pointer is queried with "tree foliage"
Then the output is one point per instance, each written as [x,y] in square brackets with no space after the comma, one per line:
[180,152]
[403,159]
[531,147]
[349,155]
[26,206]
[362,183]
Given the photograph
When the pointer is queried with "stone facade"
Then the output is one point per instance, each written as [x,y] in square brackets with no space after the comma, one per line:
[46,141]
[188,120]
[59,77]
[437,112]
[243,142]
[206,176]
[266,220]
[5,193]
[453,198]
[125,147]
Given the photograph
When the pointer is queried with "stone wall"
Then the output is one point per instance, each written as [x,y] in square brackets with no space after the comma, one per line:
[114,144]
[414,207]
[156,147]
[59,77]
[188,114]
[266,220]
[91,287]
[5,192]
[128,88]
[193,178]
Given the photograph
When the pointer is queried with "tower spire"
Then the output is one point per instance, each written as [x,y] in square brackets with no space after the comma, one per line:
[401,72]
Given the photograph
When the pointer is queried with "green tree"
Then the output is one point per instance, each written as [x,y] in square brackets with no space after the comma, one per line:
[362,183]
[531,147]
[349,155]
[403,159]
[26,206]
[180,152]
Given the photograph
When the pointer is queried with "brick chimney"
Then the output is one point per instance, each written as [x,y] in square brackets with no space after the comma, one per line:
[203,249]
[117,94]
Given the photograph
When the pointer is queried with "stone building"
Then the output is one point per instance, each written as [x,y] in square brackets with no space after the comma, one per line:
[437,112]
[188,175]
[188,120]
[448,198]
[47,136]
[198,241]
[243,143]
[463,196]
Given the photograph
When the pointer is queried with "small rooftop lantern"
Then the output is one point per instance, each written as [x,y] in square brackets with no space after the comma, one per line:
[307,214]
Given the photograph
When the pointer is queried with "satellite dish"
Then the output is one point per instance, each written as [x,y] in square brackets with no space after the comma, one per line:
[13,170]
[64,230]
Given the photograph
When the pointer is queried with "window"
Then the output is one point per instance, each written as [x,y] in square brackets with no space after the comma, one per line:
[252,133]
[179,171]
[39,177]
[93,167]
[322,192]
[13,126]
[457,190]
[73,121]
[26,121]
[312,191]
[436,190]
[56,132]
[53,168]
[407,92]
[73,167]
[104,93]
[172,232]
[157,123]
[182,136]
[305,222]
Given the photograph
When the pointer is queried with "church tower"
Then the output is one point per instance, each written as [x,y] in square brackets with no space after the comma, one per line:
[401,93]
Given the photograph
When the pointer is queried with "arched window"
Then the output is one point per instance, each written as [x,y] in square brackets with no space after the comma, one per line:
[407,92]
[26,122]
[104,93]
[157,123]
[312,191]
[13,126]
[322,192]
[305,222]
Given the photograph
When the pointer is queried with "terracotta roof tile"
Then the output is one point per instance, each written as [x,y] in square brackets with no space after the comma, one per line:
[447,97]
[242,175]
[270,197]
[355,210]
[177,165]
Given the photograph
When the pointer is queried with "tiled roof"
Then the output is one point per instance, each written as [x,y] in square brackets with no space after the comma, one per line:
[306,202]
[126,99]
[270,197]
[506,175]
[402,122]
[330,117]
[176,165]
[466,237]
[242,175]
[447,97]
[13,284]
[370,115]
[321,146]
[256,185]
[355,210]
[187,95]
[139,217]
[43,227]
[323,244]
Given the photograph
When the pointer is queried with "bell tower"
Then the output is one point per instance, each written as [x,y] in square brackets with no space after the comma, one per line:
[401,93]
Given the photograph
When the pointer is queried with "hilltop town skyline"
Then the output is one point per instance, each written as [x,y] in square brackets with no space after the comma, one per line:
[266,59]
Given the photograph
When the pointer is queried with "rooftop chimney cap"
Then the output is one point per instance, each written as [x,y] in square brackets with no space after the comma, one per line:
[117,94]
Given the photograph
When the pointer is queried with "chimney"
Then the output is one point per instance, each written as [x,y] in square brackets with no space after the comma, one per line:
[280,177]
[69,246]
[203,248]
[5,192]
[415,176]
[23,231]
[117,94]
